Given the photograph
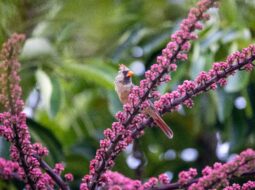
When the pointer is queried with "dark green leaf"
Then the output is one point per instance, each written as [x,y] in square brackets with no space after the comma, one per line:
[114,103]
[237,131]
[101,75]
[224,104]
[237,82]
[56,97]
[46,137]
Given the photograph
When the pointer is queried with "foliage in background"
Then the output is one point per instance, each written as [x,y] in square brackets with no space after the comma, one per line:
[70,60]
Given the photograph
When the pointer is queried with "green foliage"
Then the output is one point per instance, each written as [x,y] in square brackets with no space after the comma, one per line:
[71,55]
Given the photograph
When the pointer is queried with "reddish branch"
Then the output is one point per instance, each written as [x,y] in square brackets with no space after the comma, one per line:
[177,185]
[55,177]
[13,125]
[181,38]
[198,90]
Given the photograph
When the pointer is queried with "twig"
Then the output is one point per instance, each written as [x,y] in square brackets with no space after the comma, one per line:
[61,183]
[196,91]
[109,154]
[177,185]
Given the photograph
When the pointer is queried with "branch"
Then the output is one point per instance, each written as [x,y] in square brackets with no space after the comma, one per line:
[205,86]
[22,158]
[120,136]
[216,177]
[15,129]
[11,99]
[55,177]
[177,185]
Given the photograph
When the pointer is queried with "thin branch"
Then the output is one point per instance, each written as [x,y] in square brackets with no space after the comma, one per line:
[177,185]
[195,92]
[22,158]
[9,55]
[109,154]
[16,137]
[61,183]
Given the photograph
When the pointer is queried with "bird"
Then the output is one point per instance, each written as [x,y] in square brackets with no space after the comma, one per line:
[123,87]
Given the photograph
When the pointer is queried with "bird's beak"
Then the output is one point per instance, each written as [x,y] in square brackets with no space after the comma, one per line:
[130,73]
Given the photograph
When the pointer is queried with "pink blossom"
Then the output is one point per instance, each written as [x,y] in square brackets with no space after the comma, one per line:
[233,187]
[218,176]
[14,127]
[246,186]
[206,80]
[163,179]
[84,186]
[152,182]
[115,180]
[59,168]
[40,150]
[185,176]
[249,185]
[69,177]
[10,169]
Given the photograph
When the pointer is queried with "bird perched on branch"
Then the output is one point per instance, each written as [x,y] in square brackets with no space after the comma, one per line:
[123,86]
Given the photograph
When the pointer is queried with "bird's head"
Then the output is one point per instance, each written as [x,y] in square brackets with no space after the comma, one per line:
[124,75]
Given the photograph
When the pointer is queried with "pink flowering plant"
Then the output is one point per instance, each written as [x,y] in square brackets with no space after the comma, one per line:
[28,160]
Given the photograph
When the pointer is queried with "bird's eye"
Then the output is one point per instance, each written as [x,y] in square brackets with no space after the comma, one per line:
[124,73]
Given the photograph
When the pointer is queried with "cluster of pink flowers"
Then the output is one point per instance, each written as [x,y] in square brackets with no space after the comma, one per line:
[218,176]
[246,186]
[13,127]
[176,50]
[214,177]
[10,169]
[13,121]
[26,157]
[162,179]
[121,134]
[207,80]
[186,176]
[116,181]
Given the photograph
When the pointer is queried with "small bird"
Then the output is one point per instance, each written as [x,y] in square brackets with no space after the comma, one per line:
[123,86]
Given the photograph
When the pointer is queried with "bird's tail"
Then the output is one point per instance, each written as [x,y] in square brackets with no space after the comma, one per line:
[160,122]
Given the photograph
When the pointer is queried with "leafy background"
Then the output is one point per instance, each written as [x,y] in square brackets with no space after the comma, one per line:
[69,62]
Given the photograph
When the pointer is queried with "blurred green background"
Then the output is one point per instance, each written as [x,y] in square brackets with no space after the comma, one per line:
[69,62]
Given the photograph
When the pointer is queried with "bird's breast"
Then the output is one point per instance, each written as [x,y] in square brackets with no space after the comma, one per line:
[123,92]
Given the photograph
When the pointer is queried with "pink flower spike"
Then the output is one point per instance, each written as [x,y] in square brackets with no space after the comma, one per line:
[15,129]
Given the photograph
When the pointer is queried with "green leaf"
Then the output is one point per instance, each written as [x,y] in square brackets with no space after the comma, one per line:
[233,35]
[46,137]
[232,11]
[126,41]
[238,131]
[237,82]
[35,47]
[114,103]
[56,97]
[76,169]
[197,62]
[85,148]
[101,75]
[224,104]
[154,42]
[248,109]
[212,38]
[4,148]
